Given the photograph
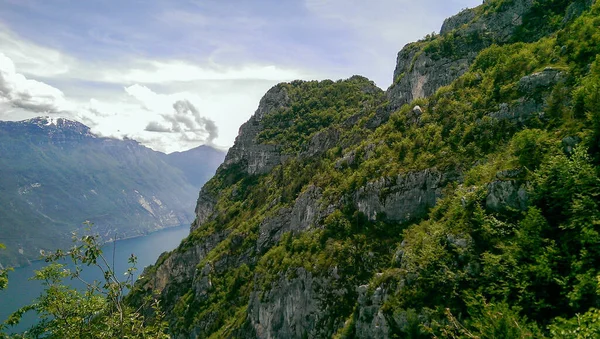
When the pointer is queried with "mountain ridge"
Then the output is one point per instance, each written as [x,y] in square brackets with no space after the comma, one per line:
[461,202]
[55,174]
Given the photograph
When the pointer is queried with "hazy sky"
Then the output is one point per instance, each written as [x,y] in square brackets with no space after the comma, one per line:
[175,74]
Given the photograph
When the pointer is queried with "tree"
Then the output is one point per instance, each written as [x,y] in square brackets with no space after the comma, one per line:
[3,274]
[97,311]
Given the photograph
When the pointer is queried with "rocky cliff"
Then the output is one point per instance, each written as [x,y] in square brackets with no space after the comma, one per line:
[345,211]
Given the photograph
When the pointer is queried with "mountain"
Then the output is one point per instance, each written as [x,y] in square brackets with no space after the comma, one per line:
[197,164]
[55,174]
[463,202]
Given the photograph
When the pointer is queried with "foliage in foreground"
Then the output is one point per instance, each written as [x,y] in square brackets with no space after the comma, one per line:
[96,311]
[3,274]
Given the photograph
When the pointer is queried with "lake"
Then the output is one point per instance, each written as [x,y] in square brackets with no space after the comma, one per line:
[22,291]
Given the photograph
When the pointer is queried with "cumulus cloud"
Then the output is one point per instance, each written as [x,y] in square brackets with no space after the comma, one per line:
[175,113]
[155,126]
[186,120]
[28,94]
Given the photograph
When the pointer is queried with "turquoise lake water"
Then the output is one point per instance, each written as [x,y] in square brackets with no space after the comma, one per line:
[22,291]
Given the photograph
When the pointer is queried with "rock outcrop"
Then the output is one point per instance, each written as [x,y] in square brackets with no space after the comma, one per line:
[504,195]
[253,157]
[321,226]
[403,198]
[294,308]
[306,212]
[370,320]
[423,67]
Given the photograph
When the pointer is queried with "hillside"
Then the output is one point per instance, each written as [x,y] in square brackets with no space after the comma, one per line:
[462,202]
[55,174]
[197,164]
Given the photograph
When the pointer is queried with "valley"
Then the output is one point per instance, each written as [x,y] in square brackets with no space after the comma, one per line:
[55,174]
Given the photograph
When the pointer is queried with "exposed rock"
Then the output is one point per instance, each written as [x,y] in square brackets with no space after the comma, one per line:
[510,174]
[322,141]
[271,229]
[531,86]
[419,73]
[347,160]
[519,112]
[202,282]
[404,198]
[503,24]
[306,210]
[382,113]
[180,267]
[397,259]
[294,308]
[454,22]
[459,241]
[204,208]
[545,79]
[305,213]
[503,195]
[353,120]
[370,320]
[576,8]
[258,158]
[414,116]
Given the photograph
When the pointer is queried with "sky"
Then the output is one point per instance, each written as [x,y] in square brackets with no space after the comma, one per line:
[176,74]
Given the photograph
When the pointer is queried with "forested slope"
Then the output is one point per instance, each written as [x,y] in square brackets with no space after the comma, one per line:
[461,202]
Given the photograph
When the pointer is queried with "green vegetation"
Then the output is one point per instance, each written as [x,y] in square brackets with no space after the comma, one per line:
[3,273]
[510,249]
[97,311]
[465,270]
[56,177]
[317,106]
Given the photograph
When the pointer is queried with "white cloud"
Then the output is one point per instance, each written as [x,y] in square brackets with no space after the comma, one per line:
[19,92]
[33,59]
[217,69]
[94,94]
[177,113]
[153,72]
[178,120]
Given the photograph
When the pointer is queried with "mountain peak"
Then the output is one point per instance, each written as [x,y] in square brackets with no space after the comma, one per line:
[50,126]
[56,122]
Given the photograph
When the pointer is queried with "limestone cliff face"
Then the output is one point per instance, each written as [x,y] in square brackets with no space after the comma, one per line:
[422,67]
[246,154]
[297,308]
[404,198]
[253,157]
[259,213]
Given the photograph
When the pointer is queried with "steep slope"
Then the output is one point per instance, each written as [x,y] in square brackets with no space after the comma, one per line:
[55,174]
[463,202]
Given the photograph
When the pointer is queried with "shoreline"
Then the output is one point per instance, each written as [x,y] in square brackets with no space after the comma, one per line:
[32,261]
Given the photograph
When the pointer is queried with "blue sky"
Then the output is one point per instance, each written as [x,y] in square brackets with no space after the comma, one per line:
[175,74]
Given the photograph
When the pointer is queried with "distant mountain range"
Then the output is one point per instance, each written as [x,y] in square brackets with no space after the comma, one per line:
[55,174]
